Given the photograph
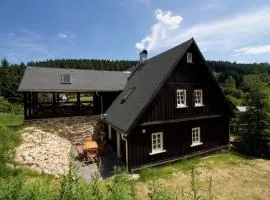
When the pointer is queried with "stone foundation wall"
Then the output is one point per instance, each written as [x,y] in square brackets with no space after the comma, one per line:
[75,129]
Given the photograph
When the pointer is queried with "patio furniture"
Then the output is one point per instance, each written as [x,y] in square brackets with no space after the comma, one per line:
[91,149]
[80,152]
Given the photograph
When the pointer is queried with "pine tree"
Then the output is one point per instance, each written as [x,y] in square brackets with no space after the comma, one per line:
[4,63]
[254,131]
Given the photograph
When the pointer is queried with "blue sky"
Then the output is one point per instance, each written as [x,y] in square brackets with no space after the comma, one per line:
[234,30]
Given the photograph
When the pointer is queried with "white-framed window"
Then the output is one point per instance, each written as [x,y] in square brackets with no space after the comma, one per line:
[196,136]
[157,143]
[181,98]
[198,96]
[189,57]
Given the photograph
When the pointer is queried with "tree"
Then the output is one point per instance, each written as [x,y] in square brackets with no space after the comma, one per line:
[229,83]
[4,63]
[254,130]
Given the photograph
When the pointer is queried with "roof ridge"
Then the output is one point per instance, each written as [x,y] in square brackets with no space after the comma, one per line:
[173,48]
[59,68]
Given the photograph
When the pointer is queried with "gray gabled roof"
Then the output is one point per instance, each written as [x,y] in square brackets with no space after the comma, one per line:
[145,81]
[143,85]
[39,79]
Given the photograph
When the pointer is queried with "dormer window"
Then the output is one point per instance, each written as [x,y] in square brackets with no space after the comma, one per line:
[66,79]
[189,57]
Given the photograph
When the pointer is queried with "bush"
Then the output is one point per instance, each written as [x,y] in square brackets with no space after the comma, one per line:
[121,187]
[10,188]
[158,192]
[5,106]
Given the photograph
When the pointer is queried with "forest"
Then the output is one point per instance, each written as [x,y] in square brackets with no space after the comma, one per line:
[234,78]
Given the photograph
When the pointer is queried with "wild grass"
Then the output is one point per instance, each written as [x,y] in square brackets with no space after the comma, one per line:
[187,165]
[11,120]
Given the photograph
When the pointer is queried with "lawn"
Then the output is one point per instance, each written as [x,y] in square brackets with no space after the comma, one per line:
[232,177]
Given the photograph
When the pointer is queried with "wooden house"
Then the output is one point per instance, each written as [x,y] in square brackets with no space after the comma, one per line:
[171,108]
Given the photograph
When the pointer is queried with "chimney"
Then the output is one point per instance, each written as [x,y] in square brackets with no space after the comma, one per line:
[143,57]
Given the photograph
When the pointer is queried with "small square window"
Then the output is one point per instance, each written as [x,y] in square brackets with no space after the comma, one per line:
[66,79]
[189,57]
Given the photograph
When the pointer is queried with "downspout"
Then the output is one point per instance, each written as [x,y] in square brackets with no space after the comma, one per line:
[125,139]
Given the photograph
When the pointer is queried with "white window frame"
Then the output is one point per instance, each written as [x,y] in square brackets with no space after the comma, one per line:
[196,136]
[189,57]
[181,100]
[198,99]
[157,140]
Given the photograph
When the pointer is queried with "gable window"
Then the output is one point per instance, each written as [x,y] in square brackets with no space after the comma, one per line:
[181,99]
[196,136]
[189,57]
[66,79]
[198,96]
[157,143]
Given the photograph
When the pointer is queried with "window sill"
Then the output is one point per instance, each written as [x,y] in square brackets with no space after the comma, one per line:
[181,106]
[157,152]
[196,144]
[199,105]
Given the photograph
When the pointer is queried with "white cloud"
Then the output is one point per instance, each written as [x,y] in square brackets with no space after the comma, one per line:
[222,35]
[68,37]
[253,50]
[62,35]
[166,22]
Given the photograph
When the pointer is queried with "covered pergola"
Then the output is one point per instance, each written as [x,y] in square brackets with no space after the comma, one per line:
[57,92]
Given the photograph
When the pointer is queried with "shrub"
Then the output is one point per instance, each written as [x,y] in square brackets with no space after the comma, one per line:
[5,106]
[158,192]
[38,190]
[121,187]
[10,188]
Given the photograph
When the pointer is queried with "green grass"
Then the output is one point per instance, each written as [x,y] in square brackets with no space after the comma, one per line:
[11,120]
[186,165]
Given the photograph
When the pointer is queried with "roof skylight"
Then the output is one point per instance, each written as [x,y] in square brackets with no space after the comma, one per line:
[66,79]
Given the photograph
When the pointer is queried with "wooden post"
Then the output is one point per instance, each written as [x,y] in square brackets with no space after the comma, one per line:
[110,132]
[118,144]
[78,98]
[78,101]
[30,104]
[53,98]
[25,105]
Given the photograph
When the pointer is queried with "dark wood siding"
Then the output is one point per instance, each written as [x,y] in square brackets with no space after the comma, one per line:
[176,140]
[189,76]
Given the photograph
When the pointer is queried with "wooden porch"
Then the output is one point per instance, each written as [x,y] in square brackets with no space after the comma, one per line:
[39,105]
